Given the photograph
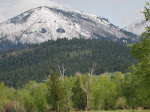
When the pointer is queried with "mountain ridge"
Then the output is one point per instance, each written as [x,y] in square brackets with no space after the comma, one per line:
[137,27]
[48,23]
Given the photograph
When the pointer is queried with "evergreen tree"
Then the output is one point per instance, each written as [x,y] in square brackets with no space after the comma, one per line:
[55,90]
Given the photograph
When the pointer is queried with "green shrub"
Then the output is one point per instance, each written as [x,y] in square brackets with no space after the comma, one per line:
[121,103]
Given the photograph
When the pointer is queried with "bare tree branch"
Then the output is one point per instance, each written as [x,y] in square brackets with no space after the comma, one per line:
[61,70]
[92,69]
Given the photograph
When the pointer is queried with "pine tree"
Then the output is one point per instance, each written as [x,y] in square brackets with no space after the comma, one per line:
[55,90]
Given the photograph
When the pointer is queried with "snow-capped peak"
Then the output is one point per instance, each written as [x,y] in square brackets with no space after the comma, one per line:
[137,27]
[49,23]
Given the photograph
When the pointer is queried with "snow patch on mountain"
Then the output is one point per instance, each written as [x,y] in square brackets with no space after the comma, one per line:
[50,23]
[137,27]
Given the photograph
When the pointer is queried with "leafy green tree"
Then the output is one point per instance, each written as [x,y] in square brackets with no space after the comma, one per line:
[79,95]
[24,97]
[86,82]
[68,83]
[118,79]
[142,52]
[104,93]
[38,94]
[4,91]
[129,87]
[55,90]
[147,11]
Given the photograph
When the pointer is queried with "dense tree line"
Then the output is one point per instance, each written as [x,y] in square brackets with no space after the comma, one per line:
[80,92]
[18,67]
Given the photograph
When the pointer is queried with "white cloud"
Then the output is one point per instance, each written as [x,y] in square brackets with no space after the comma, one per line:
[131,16]
[10,9]
[119,12]
[2,18]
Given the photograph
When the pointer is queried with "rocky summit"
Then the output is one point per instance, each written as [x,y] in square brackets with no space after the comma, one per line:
[50,23]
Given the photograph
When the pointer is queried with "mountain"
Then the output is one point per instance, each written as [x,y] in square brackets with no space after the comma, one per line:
[77,55]
[137,27]
[50,23]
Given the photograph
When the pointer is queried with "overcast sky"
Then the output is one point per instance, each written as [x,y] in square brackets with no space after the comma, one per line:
[118,12]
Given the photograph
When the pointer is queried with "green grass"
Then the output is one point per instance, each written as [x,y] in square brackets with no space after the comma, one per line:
[119,111]
[108,74]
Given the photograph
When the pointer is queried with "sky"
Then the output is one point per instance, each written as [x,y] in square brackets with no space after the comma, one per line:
[119,12]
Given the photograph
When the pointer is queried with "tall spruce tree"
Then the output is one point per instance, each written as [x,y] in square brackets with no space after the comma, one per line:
[55,90]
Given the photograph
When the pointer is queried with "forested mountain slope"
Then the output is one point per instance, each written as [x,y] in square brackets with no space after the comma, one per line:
[77,55]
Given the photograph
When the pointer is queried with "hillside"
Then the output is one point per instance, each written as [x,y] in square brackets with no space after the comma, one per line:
[79,55]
